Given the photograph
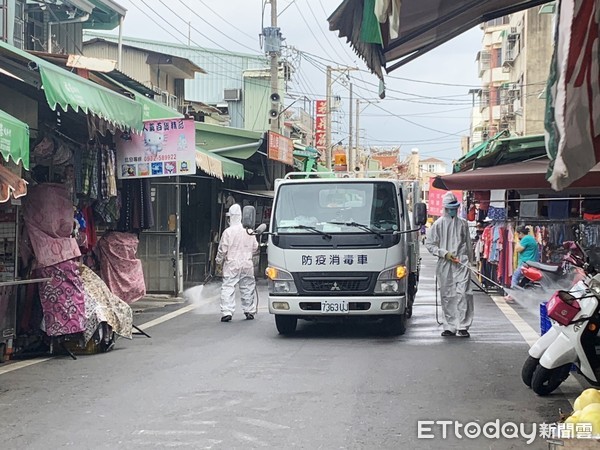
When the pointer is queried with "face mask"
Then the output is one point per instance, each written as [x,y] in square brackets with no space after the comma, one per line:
[452,212]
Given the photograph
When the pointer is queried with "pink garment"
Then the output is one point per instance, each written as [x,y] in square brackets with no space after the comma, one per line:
[121,270]
[63,299]
[48,214]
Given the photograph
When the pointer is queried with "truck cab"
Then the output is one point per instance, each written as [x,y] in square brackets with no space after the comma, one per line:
[342,248]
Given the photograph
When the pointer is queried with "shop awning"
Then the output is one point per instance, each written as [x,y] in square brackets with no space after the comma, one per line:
[14,139]
[522,175]
[67,89]
[422,25]
[11,185]
[151,109]
[260,194]
[217,165]
[464,162]
[228,141]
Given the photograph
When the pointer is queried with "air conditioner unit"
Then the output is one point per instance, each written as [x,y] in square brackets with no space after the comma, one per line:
[232,95]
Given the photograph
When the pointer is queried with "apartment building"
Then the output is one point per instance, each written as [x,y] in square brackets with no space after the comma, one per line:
[513,67]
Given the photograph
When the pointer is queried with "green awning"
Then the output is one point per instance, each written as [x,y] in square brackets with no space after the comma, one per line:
[476,152]
[65,88]
[14,139]
[228,141]
[217,165]
[151,110]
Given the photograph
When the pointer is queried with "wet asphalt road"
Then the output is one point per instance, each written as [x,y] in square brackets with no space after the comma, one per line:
[199,383]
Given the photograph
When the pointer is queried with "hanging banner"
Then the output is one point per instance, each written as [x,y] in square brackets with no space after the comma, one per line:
[164,148]
[281,148]
[320,125]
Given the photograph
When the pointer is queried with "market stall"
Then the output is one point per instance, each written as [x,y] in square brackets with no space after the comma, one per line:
[503,197]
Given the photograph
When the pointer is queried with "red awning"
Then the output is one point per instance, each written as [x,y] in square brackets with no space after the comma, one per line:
[523,175]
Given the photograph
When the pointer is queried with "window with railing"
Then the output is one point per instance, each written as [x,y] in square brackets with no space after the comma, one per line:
[484,60]
[484,99]
[19,27]
[4,19]
[498,22]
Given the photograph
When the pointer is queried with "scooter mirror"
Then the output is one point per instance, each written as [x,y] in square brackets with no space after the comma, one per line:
[248,217]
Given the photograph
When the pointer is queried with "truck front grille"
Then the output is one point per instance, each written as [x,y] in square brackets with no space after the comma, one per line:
[335,283]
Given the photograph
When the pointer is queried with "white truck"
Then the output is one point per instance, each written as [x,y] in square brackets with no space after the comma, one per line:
[341,248]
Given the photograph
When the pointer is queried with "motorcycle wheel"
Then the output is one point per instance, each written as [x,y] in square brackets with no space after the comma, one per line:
[529,367]
[545,381]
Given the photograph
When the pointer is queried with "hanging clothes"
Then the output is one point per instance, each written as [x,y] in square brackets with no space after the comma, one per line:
[136,206]
[528,207]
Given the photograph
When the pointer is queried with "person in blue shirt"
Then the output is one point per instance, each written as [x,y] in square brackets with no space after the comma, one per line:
[527,248]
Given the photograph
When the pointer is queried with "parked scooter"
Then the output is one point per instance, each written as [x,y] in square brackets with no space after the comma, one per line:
[572,339]
[535,273]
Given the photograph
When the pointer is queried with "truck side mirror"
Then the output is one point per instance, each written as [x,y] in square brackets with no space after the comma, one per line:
[420,214]
[248,217]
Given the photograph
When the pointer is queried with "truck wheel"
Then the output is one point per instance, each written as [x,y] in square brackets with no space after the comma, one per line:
[410,295]
[529,367]
[545,381]
[286,325]
[395,325]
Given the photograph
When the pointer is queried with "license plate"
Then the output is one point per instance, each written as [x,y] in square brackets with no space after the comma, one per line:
[334,306]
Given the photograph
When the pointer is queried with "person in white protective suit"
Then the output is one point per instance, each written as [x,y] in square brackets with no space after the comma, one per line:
[449,240]
[235,253]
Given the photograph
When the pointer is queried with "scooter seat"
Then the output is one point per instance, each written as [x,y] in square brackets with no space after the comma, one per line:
[545,267]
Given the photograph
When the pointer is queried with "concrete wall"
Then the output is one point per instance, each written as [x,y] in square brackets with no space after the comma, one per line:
[538,34]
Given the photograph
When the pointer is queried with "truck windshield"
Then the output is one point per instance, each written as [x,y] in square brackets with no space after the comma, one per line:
[337,207]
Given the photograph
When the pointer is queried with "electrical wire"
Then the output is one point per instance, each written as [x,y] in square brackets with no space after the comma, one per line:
[309,28]
[225,20]
[215,28]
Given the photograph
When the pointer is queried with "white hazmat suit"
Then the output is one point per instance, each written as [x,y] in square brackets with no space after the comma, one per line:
[235,252]
[449,237]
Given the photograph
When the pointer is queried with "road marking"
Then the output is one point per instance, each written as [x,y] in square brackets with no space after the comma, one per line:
[530,336]
[167,316]
[528,333]
[262,423]
[22,364]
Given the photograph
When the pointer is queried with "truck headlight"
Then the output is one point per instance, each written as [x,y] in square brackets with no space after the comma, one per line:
[280,282]
[389,282]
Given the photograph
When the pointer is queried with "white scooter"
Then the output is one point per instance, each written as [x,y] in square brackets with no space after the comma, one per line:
[572,338]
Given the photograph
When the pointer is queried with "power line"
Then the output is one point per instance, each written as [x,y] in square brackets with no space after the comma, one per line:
[225,20]
[311,31]
[321,30]
[215,28]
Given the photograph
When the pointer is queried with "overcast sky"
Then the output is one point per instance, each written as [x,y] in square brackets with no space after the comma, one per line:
[436,122]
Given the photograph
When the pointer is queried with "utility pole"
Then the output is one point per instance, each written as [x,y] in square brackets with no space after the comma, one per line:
[328,94]
[357,130]
[274,71]
[328,119]
[351,164]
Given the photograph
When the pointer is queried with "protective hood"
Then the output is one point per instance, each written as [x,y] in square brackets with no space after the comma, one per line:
[235,214]
[450,201]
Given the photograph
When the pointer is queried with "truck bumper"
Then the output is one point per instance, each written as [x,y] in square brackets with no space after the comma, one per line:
[358,306]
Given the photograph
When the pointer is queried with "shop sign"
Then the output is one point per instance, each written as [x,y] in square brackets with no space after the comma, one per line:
[281,148]
[164,148]
[320,125]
